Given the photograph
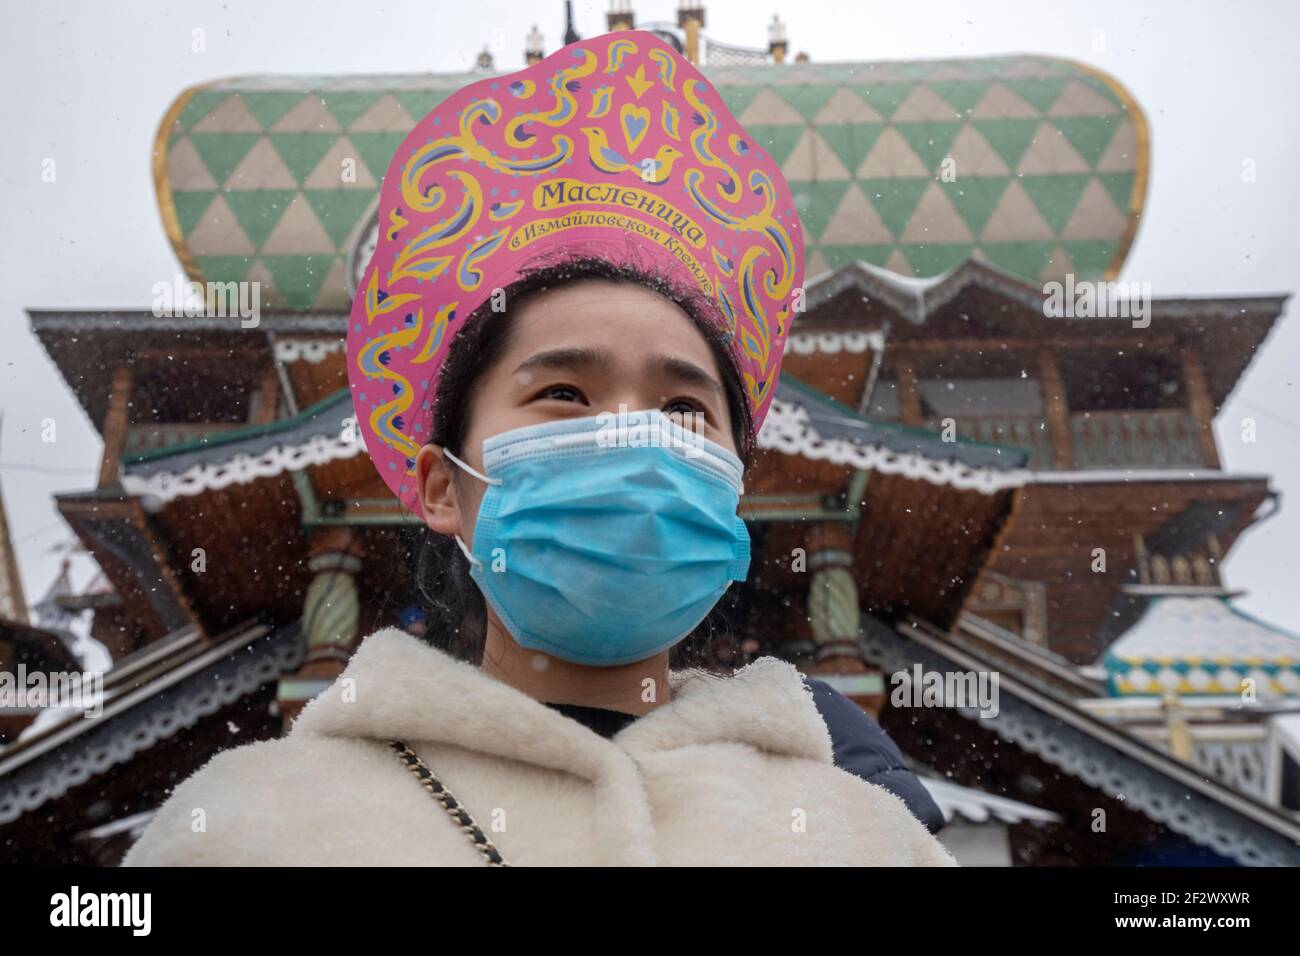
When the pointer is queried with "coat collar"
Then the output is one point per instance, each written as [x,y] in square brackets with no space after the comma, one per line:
[398,686]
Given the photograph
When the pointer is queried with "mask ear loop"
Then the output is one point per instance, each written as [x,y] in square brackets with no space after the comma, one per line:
[466,468]
[474,562]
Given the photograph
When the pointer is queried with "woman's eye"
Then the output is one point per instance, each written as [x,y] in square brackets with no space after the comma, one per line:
[682,408]
[562,393]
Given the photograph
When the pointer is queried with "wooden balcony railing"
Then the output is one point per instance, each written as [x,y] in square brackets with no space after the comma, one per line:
[1020,431]
[1164,438]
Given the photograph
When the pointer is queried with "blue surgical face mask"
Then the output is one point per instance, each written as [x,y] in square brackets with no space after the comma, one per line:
[606,540]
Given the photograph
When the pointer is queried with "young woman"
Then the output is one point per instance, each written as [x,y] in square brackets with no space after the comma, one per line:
[567,336]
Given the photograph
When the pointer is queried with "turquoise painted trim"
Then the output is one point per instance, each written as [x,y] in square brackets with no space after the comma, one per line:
[364,521]
[241,434]
[768,517]
[853,683]
[857,485]
[306,497]
[299,689]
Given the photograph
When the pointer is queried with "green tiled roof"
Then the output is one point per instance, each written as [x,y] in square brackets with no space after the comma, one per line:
[1049,156]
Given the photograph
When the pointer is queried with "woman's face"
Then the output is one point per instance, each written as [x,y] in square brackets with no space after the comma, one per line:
[575,352]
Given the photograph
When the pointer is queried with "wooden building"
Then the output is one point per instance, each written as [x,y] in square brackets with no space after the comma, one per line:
[939,474]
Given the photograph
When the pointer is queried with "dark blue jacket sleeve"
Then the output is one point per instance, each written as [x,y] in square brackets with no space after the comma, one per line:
[863,748]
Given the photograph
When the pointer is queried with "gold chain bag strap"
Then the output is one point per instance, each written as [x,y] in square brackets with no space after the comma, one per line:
[449,803]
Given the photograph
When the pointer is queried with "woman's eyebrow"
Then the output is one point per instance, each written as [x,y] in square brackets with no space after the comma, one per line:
[686,372]
[572,358]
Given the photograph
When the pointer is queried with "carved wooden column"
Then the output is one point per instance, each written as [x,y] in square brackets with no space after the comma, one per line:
[116,420]
[268,396]
[834,616]
[1056,410]
[1180,732]
[909,398]
[1200,404]
[330,618]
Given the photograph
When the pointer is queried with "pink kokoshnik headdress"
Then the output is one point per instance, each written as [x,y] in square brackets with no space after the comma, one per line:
[615,144]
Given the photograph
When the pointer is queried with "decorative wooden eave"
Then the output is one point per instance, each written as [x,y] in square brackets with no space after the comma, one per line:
[1097,759]
[847,312]
[897,489]
[88,345]
[113,527]
[1108,507]
[979,309]
[315,366]
[810,424]
[317,435]
[161,693]
[1031,662]
[254,546]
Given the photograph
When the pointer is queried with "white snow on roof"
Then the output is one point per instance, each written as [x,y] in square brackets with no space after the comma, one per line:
[1204,628]
[133,824]
[979,807]
[910,285]
[907,287]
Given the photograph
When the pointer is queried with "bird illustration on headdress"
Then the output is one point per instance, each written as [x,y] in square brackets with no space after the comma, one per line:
[652,169]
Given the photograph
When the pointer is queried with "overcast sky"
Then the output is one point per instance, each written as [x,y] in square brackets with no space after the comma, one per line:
[85,83]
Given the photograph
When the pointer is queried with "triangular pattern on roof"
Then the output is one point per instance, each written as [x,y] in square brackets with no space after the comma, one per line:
[885,130]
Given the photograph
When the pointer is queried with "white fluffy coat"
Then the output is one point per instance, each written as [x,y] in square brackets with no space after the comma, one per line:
[732,770]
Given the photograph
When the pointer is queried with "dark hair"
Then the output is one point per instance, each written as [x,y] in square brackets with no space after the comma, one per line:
[455,606]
